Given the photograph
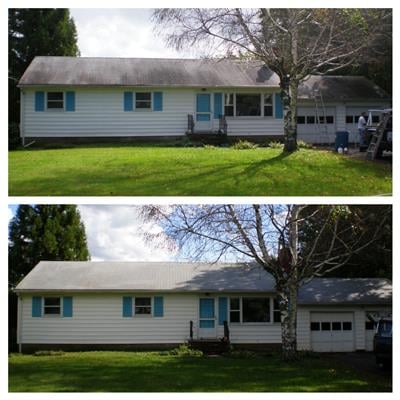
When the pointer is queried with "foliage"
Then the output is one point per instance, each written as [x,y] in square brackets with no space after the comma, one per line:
[210,146]
[184,351]
[152,372]
[44,232]
[43,353]
[275,145]
[167,171]
[242,354]
[244,145]
[36,32]
[13,136]
[304,145]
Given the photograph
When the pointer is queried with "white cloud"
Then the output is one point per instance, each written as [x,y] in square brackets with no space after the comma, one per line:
[119,33]
[114,233]
[10,214]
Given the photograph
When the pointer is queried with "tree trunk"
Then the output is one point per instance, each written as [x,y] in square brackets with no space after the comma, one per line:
[287,298]
[289,90]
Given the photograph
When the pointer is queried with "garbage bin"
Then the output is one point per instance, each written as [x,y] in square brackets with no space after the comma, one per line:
[342,140]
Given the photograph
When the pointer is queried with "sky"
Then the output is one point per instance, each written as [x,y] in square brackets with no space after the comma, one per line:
[119,33]
[115,233]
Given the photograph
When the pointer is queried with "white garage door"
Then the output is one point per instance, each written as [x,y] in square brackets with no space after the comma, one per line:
[332,332]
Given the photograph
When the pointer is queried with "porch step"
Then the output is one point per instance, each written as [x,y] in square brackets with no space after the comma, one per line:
[208,137]
[210,346]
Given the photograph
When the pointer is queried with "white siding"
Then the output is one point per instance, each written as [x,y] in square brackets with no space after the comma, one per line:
[99,113]
[303,329]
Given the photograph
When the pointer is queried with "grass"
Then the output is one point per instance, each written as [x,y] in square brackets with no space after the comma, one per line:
[155,372]
[171,171]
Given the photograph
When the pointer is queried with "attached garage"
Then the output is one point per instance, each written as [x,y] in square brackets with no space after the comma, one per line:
[332,332]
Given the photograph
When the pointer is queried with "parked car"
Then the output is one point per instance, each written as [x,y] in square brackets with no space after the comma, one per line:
[387,139]
[383,342]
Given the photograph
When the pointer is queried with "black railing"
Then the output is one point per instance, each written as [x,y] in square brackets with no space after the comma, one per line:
[223,125]
[190,127]
[226,332]
[191,330]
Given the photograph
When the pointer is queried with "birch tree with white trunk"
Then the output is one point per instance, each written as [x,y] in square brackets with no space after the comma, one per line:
[294,243]
[293,43]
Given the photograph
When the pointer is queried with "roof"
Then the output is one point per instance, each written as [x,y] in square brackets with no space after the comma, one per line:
[86,276]
[163,72]
[346,290]
[84,71]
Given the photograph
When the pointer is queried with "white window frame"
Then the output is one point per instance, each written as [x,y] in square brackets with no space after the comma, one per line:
[273,105]
[52,315]
[143,315]
[144,109]
[47,101]
[262,104]
[233,104]
[271,310]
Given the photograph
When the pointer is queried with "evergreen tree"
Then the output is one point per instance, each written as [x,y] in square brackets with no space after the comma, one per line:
[44,232]
[36,32]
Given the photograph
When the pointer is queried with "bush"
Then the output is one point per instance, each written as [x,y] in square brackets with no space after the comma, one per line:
[184,351]
[303,145]
[275,145]
[49,353]
[244,145]
[13,136]
[209,146]
[242,354]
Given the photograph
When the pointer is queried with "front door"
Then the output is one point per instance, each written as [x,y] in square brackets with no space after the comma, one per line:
[207,325]
[203,112]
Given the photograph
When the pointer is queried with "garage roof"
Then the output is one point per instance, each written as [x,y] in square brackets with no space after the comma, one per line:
[162,72]
[53,276]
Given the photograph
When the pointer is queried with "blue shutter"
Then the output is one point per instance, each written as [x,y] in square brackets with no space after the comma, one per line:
[67,306]
[222,310]
[157,101]
[158,306]
[128,101]
[39,101]
[278,106]
[127,306]
[70,101]
[217,105]
[36,306]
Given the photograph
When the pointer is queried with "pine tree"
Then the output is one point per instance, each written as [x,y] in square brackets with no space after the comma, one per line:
[44,232]
[36,32]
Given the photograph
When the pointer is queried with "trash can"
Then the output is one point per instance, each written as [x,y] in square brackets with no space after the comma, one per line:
[342,140]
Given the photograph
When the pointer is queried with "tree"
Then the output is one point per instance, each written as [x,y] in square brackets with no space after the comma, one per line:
[44,232]
[293,43]
[36,32]
[294,243]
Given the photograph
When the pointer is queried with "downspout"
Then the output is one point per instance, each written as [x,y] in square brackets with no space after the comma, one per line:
[19,322]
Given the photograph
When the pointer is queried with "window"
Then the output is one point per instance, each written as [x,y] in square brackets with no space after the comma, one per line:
[336,326]
[248,105]
[268,105]
[301,119]
[256,309]
[234,307]
[349,119]
[55,100]
[321,119]
[325,326]
[329,119]
[52,306]
[143,306]
[310,119]
[143,101]
[229,104]
[347,326]
[314,326]
[276,311]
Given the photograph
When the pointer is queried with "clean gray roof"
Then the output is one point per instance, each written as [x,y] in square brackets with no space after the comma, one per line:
[146,72]
[162,72]
[194,277]
[346,290]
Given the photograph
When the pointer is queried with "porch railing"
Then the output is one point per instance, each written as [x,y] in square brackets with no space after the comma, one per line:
[190,126]
[226,332]
[223,125]
[191,330]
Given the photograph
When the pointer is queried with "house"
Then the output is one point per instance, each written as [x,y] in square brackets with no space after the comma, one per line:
[78,97]
[114,305]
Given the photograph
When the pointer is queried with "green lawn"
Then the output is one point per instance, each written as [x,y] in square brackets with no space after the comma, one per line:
[154,372]
[172,171]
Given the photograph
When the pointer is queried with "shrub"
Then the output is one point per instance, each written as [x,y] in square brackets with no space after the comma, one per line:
[184,351]
[13,136]
[244,145]
[209,146]
[275,145]
[242,354]
[303,145]
[49,353]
